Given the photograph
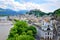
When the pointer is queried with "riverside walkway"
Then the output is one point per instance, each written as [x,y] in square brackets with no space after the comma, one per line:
[4,29]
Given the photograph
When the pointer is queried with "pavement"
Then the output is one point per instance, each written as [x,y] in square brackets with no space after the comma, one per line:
[4,30]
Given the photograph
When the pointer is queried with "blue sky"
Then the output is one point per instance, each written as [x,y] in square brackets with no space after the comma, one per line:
[34,1]
[43,5]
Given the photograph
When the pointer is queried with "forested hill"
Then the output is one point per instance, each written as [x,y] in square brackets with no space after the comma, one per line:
[39,13]
[36,12]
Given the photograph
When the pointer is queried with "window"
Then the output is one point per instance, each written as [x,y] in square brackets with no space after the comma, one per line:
[50,33]
[46,34]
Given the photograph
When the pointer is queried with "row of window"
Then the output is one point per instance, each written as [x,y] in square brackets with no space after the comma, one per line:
[48,33]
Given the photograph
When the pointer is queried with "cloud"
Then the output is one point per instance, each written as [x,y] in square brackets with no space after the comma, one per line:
[52,0]
[51,5]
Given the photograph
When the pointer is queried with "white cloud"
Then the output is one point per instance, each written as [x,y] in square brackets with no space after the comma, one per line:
[50,0]
[47,7]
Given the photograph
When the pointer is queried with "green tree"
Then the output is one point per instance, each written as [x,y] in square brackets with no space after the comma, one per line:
[13,38]
[33,29]
[30,32]
[25,37]
[57,12]
[50,13]
[21,28]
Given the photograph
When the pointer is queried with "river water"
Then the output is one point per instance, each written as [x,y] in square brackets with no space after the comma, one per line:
[4,30]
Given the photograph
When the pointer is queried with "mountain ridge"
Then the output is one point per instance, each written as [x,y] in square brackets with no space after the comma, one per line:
[11,12]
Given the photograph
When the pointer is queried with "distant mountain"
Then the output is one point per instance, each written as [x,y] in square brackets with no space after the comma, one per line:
[11,12]
[22,11]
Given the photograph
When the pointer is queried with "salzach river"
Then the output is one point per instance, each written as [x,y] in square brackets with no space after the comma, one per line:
[4,29]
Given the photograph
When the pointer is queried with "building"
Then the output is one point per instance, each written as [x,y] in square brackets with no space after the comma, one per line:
[26,17]
[3,18]
[58,31]
[46,29]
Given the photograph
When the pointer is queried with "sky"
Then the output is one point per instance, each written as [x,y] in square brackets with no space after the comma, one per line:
[43,5]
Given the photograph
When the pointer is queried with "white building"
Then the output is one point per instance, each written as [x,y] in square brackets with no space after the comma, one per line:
[4,18]
[46,30]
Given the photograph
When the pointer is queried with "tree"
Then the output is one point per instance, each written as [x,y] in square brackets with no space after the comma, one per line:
[25,37]
[19,27]
[30,32]
[22,28]
[13,38]
[50,13]
[33,29]
[57,12]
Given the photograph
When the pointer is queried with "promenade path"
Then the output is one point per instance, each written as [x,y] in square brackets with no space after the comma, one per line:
[4,29]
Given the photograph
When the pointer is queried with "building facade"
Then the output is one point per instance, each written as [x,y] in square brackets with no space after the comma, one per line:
[58,31]
[46,29]
[3,19]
